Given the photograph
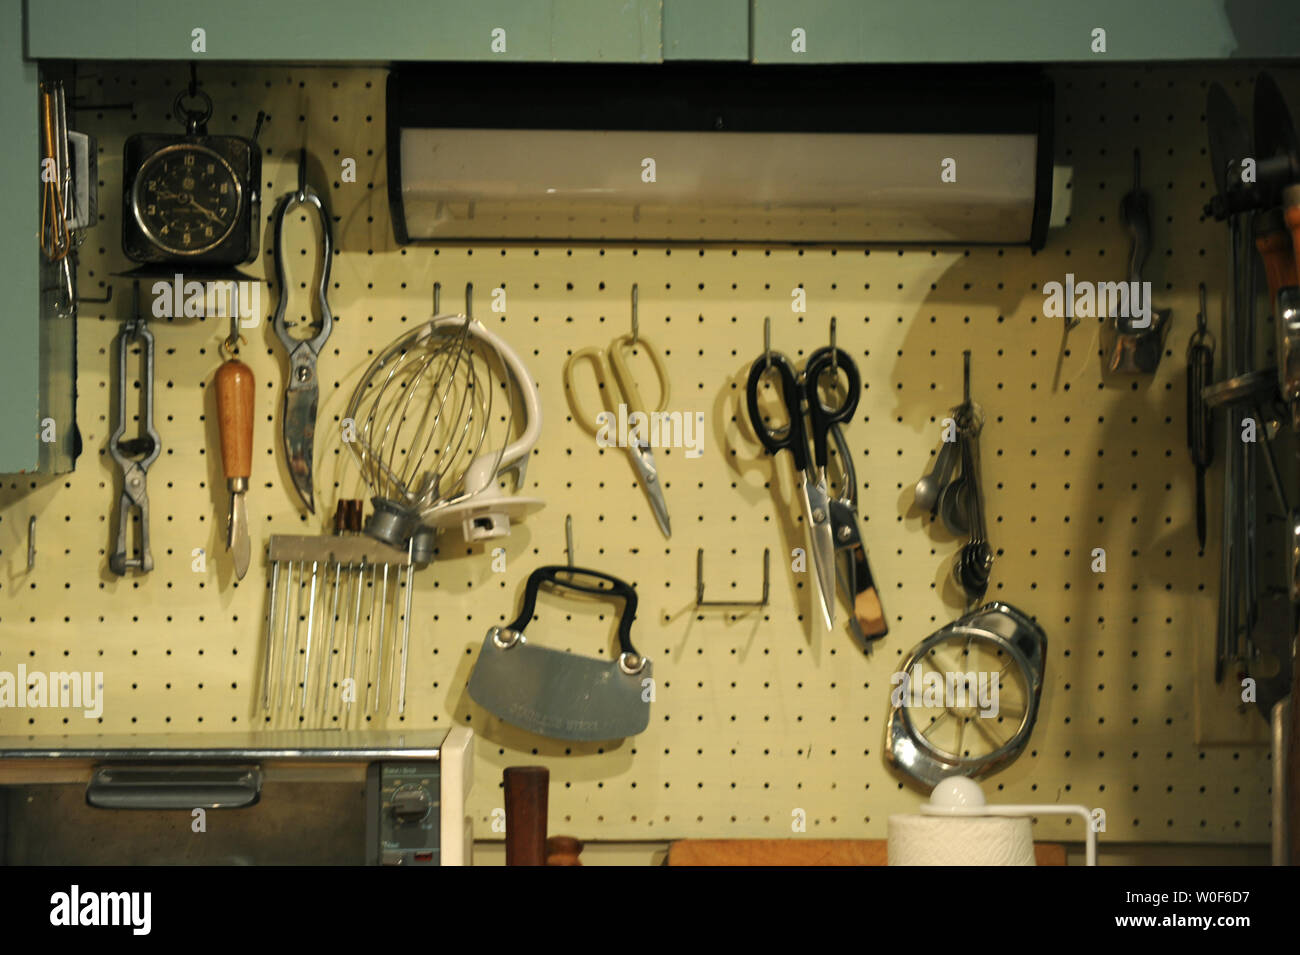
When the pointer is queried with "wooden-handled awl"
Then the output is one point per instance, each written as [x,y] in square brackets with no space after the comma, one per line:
[234,384]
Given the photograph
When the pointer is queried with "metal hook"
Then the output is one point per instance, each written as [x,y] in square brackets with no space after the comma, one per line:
[636,325]
[437,297]
[568,537]
[1200,316]
[835,368]
[302,174]
[234,338]
[469,300]
[99,301]
[767,342]
[966,373]
[699,584]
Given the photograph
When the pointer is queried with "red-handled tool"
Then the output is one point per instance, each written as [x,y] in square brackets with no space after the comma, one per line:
[234,384]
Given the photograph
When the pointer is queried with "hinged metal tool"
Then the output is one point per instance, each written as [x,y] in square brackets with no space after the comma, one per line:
[302,396]
[134,455]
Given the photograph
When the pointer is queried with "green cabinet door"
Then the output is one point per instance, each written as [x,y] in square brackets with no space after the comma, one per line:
[628,31]
[1046,31]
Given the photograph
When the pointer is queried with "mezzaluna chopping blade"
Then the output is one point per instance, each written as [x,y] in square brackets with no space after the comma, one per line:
[559,694]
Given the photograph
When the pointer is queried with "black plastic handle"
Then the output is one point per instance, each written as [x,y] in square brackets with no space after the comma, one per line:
[792,438]
[821,416]
[550,574]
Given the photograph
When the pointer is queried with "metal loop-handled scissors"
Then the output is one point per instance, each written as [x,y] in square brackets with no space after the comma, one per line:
[302,395]
[802,396]
[624,418]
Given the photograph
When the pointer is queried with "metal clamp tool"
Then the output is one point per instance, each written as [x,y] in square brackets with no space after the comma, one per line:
[303,393]
[134,455]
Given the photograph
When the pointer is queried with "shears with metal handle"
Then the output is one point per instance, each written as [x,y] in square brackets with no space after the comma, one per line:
[302,395]
[614,375]
[802,396]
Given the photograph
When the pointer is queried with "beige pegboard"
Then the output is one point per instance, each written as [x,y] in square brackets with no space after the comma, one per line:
[760,714]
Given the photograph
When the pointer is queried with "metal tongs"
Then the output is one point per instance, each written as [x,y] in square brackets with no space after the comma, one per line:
[302,396]
[134,455]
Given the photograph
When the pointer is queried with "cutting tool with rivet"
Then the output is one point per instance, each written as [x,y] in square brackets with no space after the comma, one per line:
[618,384]
[134,455]
[302,395]
[802,396]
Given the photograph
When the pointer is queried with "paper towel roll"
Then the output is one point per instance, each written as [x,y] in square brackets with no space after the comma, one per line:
[915,839]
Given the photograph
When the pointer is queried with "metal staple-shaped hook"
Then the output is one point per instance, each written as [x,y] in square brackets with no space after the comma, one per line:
[302,174]
[767,342]
[636,324]
[568,537]
[234,338]
[437,298]
[469,300]
[835,368]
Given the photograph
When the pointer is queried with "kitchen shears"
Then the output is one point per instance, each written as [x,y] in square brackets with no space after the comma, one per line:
[802,396]
[302,395]
[614,375]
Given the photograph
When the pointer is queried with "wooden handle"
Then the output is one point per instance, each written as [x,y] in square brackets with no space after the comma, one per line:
[1274,245]
[1291,212]
[527,789]
[563,850]
[234,383]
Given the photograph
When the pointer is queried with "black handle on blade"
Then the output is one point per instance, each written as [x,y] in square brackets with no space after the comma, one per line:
[552,574]
[793,438]
[822,416]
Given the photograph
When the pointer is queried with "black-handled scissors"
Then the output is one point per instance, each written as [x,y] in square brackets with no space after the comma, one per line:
[802,396]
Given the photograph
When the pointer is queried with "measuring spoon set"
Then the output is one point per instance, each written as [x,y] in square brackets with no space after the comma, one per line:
[952,493]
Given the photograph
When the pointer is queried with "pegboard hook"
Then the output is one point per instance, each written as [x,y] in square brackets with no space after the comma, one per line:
[469,300]
[636,325]
[835,368]
[700,602]
[568,538]
[767,343]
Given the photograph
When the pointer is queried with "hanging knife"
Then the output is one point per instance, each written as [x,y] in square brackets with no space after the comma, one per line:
[302,395]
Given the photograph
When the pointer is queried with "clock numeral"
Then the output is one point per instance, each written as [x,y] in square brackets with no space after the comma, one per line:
[225,188]
[186,238]
[151,210]
[189,159]
[212,168]
[208,231]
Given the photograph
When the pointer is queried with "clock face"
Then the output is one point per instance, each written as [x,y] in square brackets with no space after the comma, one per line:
[187,199]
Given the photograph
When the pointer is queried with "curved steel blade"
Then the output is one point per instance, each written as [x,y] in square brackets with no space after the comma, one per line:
[1275,134]
[299,430]
[1229,137]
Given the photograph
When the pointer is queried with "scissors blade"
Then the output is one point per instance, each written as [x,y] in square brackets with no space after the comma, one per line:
[299,431]
[644,460]
[820,536]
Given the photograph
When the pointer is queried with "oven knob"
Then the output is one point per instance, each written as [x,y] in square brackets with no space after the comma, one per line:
[410,805]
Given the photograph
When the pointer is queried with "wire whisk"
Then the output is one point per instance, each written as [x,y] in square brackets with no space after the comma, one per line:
[426,416]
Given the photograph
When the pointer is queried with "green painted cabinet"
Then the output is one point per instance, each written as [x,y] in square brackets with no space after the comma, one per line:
[1044,31]
[373,30]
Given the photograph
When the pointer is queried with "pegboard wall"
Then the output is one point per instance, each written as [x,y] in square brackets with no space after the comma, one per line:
[756,714]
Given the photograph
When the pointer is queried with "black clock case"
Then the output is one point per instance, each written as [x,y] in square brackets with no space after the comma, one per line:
[240,246]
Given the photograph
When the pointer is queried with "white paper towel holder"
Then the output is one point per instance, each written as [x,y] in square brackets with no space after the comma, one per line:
[962,796]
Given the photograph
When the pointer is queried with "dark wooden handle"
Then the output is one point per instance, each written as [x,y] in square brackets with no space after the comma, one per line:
[1279,261]
[1291,213]
[563,850]
[527,789]
[234,383]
